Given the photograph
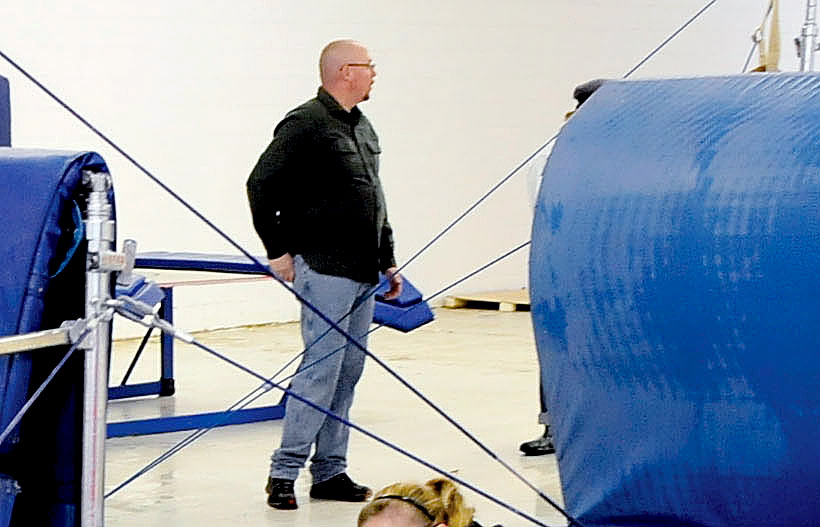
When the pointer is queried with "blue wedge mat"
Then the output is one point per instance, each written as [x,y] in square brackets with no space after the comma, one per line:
[404,313]
[675,283]
[405,318]
[5,113]
[40,189]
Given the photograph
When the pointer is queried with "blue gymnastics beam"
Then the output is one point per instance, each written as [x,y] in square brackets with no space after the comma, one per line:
[161,425]
[405,313]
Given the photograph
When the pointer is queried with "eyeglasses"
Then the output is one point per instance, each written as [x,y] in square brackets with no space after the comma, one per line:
[370,65]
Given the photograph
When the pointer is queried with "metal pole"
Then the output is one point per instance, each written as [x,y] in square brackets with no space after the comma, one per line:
[100,235]
[808,38]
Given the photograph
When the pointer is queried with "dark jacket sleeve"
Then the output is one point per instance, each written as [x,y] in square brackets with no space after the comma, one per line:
[270,184]
[386,256]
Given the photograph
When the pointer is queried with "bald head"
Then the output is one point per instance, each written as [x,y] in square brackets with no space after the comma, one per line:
[336,55]
[347,71]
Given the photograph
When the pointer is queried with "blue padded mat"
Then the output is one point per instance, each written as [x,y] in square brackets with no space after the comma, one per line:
[404,313]
[676,298]
[37,187]
[38,292]
[5,113]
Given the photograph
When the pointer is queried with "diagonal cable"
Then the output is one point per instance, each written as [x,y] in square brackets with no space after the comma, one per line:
[249,398]
[246,253]
[373,436]
[670,38]
[226,237]
[220,232]
[258,264]
[472,207]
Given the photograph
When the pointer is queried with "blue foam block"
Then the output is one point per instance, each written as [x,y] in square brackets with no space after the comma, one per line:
[674,282]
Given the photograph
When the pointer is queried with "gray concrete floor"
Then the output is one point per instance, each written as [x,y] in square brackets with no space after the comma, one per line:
[479,366]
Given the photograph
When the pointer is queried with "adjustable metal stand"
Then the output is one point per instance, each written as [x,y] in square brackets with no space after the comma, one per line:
[807,42]
[101,262]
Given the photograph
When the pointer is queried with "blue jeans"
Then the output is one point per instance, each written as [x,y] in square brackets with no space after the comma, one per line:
[328,383]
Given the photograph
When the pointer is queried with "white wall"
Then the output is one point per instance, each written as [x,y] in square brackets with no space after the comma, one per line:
[465,91]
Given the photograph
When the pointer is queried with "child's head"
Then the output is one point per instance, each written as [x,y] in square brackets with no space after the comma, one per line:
[437,502]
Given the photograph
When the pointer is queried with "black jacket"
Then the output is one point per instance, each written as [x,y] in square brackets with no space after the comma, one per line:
[315,191]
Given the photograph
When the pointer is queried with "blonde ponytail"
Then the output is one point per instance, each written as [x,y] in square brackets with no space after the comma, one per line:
[453,509]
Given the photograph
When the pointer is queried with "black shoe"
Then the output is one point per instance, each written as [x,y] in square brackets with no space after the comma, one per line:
[339,488]
[538,447]
[280,494]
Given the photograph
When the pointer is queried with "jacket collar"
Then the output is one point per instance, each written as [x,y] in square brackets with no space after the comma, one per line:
[336,109]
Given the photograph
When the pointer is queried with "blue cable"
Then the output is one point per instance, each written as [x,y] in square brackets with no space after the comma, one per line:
[250,397]
[265,270]
[371,435]
[263,267]
[669,38]
[242,250]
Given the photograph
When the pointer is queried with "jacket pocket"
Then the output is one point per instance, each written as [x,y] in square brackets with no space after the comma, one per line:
[374,148]
[343,145]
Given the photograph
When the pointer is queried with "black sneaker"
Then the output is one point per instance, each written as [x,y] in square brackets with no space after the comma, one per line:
[280,494]
[538,447]
[339,488]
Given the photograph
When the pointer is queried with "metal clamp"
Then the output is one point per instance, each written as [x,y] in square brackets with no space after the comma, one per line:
[147,316]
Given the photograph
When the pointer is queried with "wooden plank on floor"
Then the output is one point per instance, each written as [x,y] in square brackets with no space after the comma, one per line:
[510,300]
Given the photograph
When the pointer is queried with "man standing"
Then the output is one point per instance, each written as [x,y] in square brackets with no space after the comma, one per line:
[318,206]
[542,445]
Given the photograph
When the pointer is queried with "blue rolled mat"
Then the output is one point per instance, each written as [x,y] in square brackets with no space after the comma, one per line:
[675,285]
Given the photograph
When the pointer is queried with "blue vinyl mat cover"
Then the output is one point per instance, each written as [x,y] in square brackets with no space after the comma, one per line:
[676,302]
